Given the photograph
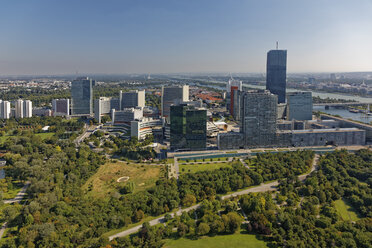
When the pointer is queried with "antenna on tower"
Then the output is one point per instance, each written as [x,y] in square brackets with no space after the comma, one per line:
[277,45]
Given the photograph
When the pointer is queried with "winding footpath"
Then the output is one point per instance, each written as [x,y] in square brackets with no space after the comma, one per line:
[17,199]
[261,188]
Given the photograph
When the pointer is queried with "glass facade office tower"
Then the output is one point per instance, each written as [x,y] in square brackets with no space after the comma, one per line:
[276,73]
[82,96]
[188,128]
[132,99]
[299,106]
[258,118]
[173,95]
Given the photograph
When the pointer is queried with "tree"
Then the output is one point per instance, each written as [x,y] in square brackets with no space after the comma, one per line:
[139,215]
[203,229]
[188,200]
[182,229]
[234,221]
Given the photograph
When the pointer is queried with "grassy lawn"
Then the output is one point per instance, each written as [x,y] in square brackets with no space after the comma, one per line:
[104,181]
[220,241]
[346,211]
[192,168]
[44,136]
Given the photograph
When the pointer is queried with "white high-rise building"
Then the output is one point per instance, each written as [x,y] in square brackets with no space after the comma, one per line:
[19,109]
[27,109]
[5,110]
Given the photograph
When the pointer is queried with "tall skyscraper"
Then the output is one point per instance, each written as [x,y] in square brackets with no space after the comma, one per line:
[19,109]
[104,105]
[27,109]
[276,73]
[299,106]
[5,110]
[82,96]
[232,85]
[132,99]
[258,118]
[173,95]
[188,127]
[61,107]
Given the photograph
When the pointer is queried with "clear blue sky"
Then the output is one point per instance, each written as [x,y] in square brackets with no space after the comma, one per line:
[160,36]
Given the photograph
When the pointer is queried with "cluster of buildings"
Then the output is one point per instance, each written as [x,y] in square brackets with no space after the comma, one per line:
[22,109]
[181,122]
[274,118]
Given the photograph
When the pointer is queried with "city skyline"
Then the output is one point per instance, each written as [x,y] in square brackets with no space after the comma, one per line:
[123,37]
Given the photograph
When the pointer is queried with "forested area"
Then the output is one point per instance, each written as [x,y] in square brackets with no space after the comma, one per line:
[57,214]
[301,215]
[281,165]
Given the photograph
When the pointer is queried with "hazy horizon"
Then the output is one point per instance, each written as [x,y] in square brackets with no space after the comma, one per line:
[181,37]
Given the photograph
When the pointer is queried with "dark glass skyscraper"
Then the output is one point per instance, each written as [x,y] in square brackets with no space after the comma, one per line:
[188,127]
[82,96]
[276,73]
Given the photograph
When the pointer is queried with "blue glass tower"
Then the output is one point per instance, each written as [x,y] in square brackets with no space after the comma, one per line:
[276,73]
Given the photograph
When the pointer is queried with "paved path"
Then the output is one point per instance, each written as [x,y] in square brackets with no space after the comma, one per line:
[243,162]
[19,197]
[177,168]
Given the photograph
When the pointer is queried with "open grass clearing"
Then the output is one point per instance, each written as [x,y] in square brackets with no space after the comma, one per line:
[192,168]
[44,136]
[104,182]
[346,211]
[221,241]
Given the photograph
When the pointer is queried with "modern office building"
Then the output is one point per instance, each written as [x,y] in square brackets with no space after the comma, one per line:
[145,126]
[235,103]
[132,99]
[188,127]
[258,118]
[127,115]
[230,87]
[82,96]
[18,109]
[5,109]
[234,83]
[104,105]
[173,95]
[299,106]
[61,107]
[276,73]
[27,109]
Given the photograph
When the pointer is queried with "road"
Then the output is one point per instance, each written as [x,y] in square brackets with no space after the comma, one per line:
[19,197]
[261,188]
[85,134]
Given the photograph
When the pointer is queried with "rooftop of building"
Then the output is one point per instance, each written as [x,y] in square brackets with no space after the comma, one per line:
[326,130]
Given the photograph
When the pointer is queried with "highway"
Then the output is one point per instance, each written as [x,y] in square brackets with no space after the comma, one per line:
[261,188]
